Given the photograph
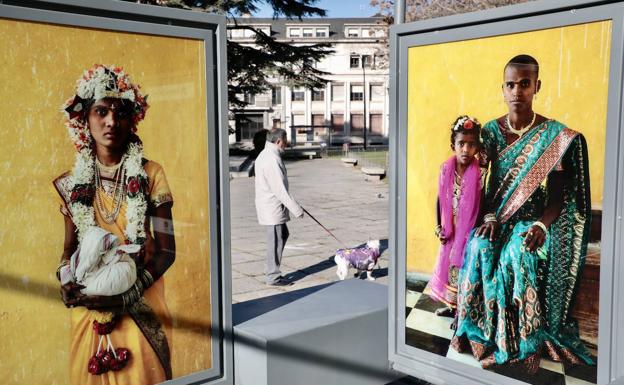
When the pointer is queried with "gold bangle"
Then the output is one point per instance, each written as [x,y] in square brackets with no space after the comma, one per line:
[64,262]
[541,226]
[146,279]
[490,218]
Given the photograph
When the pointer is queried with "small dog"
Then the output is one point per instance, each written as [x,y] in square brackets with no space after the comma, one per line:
[362,258]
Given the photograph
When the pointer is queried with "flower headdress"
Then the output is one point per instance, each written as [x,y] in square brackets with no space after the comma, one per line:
[467,124]
[97,83]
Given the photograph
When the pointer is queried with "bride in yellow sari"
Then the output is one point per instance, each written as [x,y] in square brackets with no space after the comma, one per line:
[112,186]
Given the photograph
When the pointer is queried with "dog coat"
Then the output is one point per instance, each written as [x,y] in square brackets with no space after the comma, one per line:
[361,257]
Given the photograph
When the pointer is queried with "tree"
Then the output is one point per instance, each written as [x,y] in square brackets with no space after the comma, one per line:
[428,9]
[386,15]
[251,66]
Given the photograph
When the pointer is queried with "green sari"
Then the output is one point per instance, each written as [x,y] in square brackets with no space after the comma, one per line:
[514,305]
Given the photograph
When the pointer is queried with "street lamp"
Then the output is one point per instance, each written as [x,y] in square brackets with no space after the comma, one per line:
[364,95]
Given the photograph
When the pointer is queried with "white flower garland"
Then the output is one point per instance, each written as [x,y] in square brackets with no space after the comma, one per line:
[136,206]
[97,83]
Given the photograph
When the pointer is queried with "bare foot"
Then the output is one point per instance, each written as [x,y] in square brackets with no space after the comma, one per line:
[445,312]
[453,325]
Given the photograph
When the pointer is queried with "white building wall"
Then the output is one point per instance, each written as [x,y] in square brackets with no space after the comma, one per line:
[340,72]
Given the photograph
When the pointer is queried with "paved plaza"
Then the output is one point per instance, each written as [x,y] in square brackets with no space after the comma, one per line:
[351,207]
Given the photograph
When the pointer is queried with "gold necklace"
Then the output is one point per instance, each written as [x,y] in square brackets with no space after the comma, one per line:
[519,131]
[111,170]
[119,190]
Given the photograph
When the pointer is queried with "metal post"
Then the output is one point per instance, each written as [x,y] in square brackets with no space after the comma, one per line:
[364,98]
[399,12]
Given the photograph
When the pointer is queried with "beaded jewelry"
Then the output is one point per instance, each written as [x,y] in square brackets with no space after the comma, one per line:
[519,131]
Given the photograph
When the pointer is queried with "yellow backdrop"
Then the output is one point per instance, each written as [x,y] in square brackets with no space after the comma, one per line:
[40,64]
[465,77]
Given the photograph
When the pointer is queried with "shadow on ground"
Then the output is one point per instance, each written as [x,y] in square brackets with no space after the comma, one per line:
[329,264]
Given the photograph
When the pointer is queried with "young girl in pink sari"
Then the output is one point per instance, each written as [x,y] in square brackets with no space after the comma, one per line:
[459,201]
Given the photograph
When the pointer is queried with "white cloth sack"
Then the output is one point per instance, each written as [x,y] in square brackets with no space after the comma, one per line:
[102,265]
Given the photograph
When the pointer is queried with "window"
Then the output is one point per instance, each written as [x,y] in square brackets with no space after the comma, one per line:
[357,93]
[277,123]
[376,124]
[318,95]
[337,92]
[236,33]
[376,92]
[367,61]
[321,32]
[355,61]
[250,99]
[294,32]
[308,32]
[247,126]
[276,95]
[318,125]
[298,95]
[353,32]
[266,30]
[357,123]
[337,123]
[366,32]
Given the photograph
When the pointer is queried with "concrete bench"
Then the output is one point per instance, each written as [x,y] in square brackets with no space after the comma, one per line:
[241,167]
[349,162]
[337,335]
[309,154]
[374,173]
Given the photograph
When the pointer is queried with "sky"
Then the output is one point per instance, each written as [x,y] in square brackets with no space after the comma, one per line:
[334,8]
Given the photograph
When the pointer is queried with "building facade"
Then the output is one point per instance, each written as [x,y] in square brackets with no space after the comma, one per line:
[352,106]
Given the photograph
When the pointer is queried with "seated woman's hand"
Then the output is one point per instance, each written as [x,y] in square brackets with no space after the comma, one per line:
[488,230]
[534,238]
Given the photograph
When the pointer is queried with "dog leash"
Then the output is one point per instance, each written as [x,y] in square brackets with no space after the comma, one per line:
[324,228]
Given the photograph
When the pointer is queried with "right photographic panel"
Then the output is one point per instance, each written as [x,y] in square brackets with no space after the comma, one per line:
[504,179]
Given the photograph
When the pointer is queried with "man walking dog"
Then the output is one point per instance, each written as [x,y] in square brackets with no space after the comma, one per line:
[274,202]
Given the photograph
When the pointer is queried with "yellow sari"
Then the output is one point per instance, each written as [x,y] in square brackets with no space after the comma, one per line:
[145,367]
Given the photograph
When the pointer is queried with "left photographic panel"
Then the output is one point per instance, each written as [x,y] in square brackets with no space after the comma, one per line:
[111,174]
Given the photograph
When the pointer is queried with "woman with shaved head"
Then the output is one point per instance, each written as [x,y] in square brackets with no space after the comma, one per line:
[523,262]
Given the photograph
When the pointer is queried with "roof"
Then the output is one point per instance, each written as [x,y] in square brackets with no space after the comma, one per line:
[336,25]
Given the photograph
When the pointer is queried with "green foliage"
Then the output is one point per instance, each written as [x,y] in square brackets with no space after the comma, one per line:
[250,66]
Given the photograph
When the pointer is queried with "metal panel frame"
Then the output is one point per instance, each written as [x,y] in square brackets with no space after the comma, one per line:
[152,20]
[502,21]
